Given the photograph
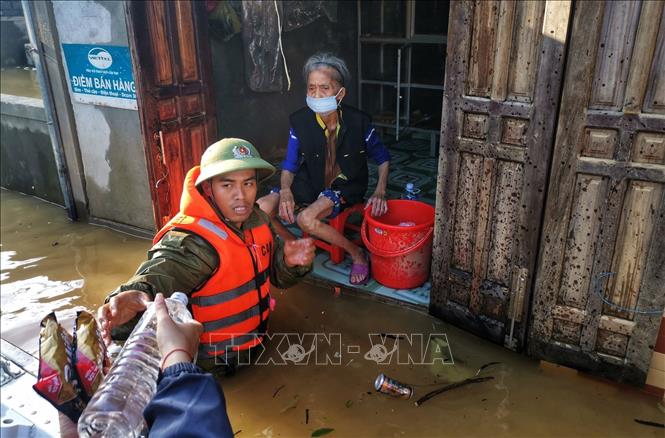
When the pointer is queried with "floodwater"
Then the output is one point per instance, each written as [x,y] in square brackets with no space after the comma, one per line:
[49,264]
[20,81]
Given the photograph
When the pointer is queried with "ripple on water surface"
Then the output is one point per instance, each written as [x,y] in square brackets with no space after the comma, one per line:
[23,303]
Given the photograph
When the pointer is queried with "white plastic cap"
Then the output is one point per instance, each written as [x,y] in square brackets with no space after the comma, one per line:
[181,297]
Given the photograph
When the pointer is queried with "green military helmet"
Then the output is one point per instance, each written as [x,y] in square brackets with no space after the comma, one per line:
[230,155]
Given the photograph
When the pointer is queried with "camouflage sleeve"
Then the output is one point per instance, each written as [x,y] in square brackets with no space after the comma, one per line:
[282,276]
[180,261]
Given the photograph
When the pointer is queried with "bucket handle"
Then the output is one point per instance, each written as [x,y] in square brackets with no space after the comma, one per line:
[400,252]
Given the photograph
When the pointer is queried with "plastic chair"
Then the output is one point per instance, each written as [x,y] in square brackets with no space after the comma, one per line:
[339,224]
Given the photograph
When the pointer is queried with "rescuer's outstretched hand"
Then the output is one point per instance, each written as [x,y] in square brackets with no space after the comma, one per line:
[299,252]
[120,309]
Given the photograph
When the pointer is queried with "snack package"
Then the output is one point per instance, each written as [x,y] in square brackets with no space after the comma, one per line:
[56,382]
[89,356]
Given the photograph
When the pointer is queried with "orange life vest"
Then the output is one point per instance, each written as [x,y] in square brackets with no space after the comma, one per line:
[234,304]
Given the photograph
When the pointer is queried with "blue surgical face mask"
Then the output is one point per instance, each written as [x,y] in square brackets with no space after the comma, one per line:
[323,105]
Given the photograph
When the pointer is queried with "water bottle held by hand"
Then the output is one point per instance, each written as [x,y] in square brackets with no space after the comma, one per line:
[116,409]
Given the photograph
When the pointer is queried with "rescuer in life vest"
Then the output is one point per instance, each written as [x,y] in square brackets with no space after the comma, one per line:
[221,250]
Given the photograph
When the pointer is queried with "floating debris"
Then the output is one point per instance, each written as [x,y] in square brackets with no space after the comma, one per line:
[291,405]
[392,387]
[322,431]
[474,379]
[306,416]
[465,382]
[650,423]
[277,391]
[487,365]
[348,403]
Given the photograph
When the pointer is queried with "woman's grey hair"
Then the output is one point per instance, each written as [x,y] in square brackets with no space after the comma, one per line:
[322,60]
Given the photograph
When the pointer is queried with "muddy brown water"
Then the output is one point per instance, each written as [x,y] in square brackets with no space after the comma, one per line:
[49,263]
[20,82]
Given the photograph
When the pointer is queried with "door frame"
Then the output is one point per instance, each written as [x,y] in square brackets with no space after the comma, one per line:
[139,44]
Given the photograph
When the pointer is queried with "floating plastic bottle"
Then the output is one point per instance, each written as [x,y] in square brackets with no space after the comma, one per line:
[410,192]
[116,409]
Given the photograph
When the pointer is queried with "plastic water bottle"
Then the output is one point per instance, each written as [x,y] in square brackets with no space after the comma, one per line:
[116,409]
[410,192]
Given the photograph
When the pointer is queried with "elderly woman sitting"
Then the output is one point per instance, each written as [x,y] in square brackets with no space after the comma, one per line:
[325,170]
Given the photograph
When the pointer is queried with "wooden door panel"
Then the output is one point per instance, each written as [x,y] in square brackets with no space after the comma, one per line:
[175,98]
[606,199]
[589,195]
[186,41]
[465,218]
[614,54]
[645,43]
[197,141]
[481,58]
[191,105]
[503,71]
[160,53]
[525,54]
[649,148]
[167,109]
[642,202]
[509,181]
[655,98]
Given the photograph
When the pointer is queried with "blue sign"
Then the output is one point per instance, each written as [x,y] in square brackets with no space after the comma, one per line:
[101,74]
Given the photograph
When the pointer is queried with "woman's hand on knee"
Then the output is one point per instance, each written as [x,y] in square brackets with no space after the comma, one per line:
[286,205]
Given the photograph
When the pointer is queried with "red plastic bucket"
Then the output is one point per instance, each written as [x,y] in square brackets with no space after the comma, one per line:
[400,254]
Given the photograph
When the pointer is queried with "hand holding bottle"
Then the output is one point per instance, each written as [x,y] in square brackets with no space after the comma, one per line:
[177,341]
[116,409]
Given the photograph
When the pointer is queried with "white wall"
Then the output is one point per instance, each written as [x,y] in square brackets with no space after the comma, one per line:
[110,139]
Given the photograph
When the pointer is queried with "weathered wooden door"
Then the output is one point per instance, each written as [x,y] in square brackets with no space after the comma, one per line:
[606,204]
[172,62]
[503,74]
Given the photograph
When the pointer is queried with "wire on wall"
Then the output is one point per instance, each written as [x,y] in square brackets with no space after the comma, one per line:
[281,48]
[599,291]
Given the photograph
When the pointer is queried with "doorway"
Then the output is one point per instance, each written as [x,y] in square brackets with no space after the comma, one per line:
[388,45]
[401,66]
